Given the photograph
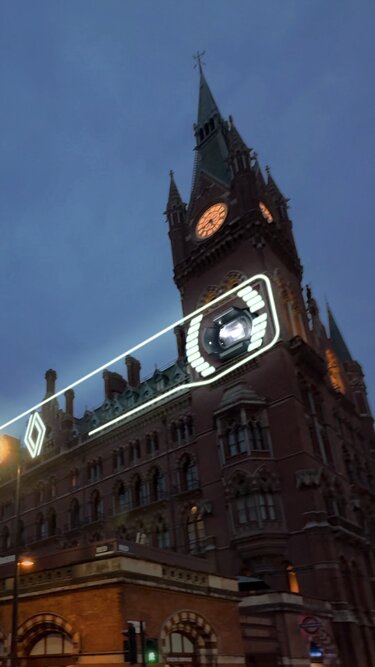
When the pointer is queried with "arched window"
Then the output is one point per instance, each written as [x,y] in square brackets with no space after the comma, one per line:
[75,514]
[52,643]
[195,531]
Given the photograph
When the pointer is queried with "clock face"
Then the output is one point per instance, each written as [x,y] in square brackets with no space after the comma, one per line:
[266,213]
[211,220]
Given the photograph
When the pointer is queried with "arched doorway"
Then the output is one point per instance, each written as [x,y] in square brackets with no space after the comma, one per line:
[45,640]
[188,640]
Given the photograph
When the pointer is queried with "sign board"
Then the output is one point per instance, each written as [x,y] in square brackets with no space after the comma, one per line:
[310,624]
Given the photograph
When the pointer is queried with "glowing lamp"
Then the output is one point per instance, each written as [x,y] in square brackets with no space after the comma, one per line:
[229,334]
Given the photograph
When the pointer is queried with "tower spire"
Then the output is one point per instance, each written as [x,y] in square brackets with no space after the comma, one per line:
[174,197]
[337,340]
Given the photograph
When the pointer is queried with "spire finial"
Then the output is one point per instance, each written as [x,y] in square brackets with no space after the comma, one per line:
[171,173]
[268,170]
[199,62]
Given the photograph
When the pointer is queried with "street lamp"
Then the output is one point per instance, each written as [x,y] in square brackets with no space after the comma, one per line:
[34,438]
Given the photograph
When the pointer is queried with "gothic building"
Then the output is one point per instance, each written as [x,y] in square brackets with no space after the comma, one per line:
[268,473]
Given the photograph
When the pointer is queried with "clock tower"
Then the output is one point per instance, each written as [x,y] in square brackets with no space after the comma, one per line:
[236,223]
[277,440]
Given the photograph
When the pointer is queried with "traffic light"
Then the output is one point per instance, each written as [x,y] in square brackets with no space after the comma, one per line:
[151,651]
[130,644]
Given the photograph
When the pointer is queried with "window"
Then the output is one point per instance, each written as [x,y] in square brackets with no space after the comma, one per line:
[257,436]
[75,514]
[195,531]
[94,470]
[236,440]
[178,643]
[252,508]
[152,443]
[5,539]
[141,495]
[51,523]
[162,535]
[134,452]
[122,498]
[293,584]
[96,506]
[53,643]
[74,478]
[41,527]
[188,474]
[158,485]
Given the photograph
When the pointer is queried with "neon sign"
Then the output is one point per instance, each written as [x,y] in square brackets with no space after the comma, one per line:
[263,330]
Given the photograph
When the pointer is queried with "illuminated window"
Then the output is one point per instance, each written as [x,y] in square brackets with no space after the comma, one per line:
[293,584]
[53,643]
[195,531]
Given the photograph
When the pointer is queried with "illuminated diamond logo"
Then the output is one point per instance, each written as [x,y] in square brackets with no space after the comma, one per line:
[34,436]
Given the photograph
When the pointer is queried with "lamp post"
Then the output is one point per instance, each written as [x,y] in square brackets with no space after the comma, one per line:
[34,440]
[16,571]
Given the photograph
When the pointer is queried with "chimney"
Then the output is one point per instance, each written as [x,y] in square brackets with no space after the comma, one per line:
[134,371]
[50,377]
[69,398]
[179,332]
[114,383]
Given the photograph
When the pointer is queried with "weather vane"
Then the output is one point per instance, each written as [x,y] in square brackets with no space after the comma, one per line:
[199,62]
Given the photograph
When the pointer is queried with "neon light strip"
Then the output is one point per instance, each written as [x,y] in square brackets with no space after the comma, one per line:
[103,367]
[202,383]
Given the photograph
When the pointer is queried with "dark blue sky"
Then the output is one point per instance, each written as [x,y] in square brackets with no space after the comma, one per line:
[98,102]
